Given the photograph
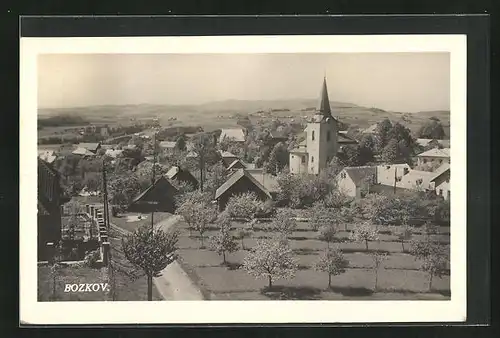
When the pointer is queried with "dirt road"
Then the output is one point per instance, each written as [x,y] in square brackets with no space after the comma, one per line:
[173,283]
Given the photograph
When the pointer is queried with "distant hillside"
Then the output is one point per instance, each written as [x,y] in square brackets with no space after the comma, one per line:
[223,114]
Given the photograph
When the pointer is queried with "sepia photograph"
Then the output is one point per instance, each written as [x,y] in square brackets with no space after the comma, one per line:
[239,176]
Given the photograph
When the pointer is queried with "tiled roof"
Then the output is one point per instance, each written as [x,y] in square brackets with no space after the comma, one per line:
[411,180]
[344,139]
[89,146]
[440,171]
[161,179]
[82,151]
[386,173]
[425,141]
[48,156]
[236,164]
[435,152]
[235,178]
[235,134]
[172,172]
[371,129]
[167,144]
[226,154]
[358,174]
[268,181]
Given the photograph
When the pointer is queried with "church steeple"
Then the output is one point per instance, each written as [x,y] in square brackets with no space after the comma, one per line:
[324,105]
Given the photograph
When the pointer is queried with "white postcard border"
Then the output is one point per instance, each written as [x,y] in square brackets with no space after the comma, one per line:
[178,312]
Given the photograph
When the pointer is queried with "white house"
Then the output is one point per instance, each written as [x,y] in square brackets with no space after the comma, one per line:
[434,155]
[441,181]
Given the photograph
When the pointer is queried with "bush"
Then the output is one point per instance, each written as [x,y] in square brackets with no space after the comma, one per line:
[91,258]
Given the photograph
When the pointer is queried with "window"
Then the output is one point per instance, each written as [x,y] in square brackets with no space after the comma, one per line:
[405,171]
[448,194]
[440,192]
[425,160]
[419,181]
[342,175]
[328,135]
[440,161]
[312,135]
[293,156]
[303,159]
[312,159]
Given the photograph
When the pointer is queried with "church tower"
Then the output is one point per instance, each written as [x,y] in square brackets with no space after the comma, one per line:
[322,135]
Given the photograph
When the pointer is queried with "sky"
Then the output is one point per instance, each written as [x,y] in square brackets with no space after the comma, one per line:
[405,82]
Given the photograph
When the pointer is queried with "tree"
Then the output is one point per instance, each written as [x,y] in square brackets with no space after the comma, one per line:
[390,152]
[278,159]
[378,258]
[245,205]
[93,181]
[432,129]
[75,209]
[351,156]
[151,250]
[327,233]
[321,216]
[364,232]
[382,133]
[188,210]
[205,215]
[272,259]
[122,190]
[432,255]
[332,261]
[283,224]
[223,242]
[404,232]
[180,143]
[367,147]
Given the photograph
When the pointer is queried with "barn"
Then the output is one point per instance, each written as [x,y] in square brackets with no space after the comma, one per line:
[159,196]
[238,183]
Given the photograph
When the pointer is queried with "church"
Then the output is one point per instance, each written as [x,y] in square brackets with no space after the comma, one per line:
[322,140]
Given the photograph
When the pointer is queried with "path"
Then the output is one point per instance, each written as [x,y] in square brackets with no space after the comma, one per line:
[173,283]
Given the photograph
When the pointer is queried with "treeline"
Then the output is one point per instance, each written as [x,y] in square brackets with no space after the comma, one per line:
[62,120]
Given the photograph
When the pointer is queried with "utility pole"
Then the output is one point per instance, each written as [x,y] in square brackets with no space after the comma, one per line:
[153,178]
[395,178]
[105,195]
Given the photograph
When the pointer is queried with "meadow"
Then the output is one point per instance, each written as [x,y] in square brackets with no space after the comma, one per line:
[399,277]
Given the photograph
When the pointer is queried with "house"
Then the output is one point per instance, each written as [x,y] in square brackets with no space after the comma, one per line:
[50,199]
[238,183]
[182,175]
[441,181]
[159,196]
[434,155]
[276,137]
[236,164]
[356,181]
[235,135]
[83,152]
[48,156]
[268,181]
[92,147]
[167,146]
[322,140]
[424,142]
[371,129]
[227,157]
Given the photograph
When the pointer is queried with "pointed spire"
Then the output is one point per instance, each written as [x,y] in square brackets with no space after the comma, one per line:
[324,106]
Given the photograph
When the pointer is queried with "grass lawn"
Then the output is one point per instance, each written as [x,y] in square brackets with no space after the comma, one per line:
[124,220]
[130,283]
[398,279]
[70,275]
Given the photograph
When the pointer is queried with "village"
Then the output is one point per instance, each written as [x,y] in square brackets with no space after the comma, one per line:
[273,209]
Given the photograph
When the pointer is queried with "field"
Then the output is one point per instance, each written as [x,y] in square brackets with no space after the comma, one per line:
[399,278]
[224,114]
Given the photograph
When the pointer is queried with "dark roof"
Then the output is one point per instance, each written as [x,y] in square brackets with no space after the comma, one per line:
[161,179]
[236,164]
[240,173]
[358,174]
[445,167]
[324,105]
[89,146]
[344,139]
